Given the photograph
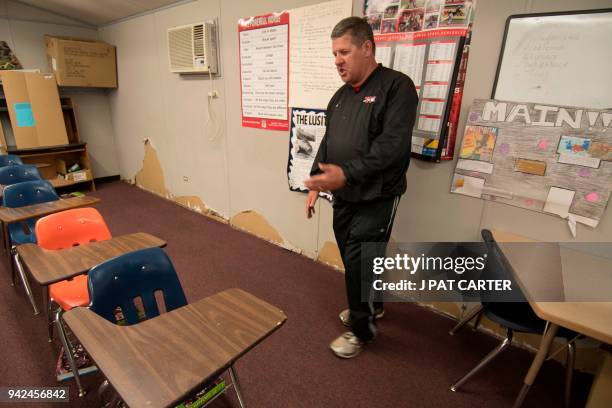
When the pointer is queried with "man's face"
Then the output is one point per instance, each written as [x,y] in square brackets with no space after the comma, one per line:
[351,60]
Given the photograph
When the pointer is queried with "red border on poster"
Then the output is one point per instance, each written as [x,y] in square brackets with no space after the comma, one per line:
[418,35]
[253,23]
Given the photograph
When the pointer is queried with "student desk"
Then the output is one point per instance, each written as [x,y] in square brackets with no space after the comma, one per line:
[12,215]
[159,362]
[554,278]
[50,266]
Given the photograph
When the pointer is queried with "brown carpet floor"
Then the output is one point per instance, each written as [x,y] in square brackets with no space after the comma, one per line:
[412,363]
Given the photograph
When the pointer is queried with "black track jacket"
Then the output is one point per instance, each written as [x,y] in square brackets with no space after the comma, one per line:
[369,135]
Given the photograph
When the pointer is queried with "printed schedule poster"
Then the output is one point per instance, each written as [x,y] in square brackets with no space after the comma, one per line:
[264,67]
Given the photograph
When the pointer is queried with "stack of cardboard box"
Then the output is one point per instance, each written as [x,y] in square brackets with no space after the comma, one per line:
[82,63]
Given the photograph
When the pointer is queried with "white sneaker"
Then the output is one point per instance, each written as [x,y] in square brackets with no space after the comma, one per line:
[346,346]
[345,316]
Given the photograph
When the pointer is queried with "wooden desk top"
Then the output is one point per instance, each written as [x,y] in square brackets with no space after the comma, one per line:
[10,215]
[48,266]
[159,362]
[541,271]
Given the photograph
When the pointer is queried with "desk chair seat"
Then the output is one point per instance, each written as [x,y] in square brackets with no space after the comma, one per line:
[20,195]
[9,160]
[70,294]
[22,233]
[62,230]
[514,316]
[118,282]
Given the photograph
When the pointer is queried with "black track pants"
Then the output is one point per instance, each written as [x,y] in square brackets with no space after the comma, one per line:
[354,224]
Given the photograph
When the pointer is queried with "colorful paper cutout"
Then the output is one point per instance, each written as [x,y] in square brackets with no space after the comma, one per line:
[592,197]
[478,143]
[504,149]
[543,144]
[601,150]
[575,146]
[535,167]
[584,172]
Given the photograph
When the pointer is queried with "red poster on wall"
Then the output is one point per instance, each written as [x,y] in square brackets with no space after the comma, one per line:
[264,71]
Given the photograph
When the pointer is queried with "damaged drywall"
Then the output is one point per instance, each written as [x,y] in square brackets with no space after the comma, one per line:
[195,203]
[151,178]
[330,255]
[254,223]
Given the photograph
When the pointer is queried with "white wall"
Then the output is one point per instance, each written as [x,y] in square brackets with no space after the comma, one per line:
[245,169]
[169,110]
[23,28]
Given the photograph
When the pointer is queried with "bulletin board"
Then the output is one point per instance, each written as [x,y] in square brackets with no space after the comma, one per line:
[547,158]
[559,58]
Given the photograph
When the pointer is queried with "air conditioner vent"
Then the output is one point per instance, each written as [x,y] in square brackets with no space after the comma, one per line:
[179,45]
[193,48]
[198,40]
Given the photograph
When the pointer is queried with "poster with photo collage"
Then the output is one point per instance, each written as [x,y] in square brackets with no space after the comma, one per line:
[428,41]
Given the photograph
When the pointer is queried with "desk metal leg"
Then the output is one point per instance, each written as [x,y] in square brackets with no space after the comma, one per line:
[538,360]
[68,350]
[477,311]
[3,238]
[24,279]
[50,315]
[569,372]
[6,245]
[236,386]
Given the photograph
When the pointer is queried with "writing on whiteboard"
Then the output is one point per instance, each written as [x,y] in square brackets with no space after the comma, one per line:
[544,52]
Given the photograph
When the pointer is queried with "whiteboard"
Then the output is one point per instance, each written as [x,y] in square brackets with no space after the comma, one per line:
[561,59]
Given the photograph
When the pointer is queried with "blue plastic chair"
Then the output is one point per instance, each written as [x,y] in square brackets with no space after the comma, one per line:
[515,314]
[16,174]
[20,195]
[117,282]
[9,160]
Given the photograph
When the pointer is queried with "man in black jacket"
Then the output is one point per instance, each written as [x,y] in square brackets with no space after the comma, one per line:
[363,159]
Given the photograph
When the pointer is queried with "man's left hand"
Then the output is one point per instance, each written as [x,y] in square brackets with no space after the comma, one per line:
[332,179]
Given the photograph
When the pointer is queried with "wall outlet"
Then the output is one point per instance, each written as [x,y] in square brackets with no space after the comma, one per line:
[186,179]
[213,94]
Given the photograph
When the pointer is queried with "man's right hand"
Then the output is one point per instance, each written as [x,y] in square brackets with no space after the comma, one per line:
[312,198]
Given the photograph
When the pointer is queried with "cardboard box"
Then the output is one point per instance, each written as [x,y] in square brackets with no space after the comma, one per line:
[34,109]
[82,63]
[81,175]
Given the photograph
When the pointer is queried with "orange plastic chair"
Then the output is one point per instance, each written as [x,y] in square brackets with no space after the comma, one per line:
[66,229]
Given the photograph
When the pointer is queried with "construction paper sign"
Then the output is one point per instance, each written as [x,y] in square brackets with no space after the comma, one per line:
[559,201]
[535,167]
[23,114]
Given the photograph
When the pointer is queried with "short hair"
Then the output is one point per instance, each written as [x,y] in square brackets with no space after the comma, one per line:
[358,28]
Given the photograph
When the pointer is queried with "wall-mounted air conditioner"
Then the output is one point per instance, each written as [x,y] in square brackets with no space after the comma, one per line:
[192,48]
